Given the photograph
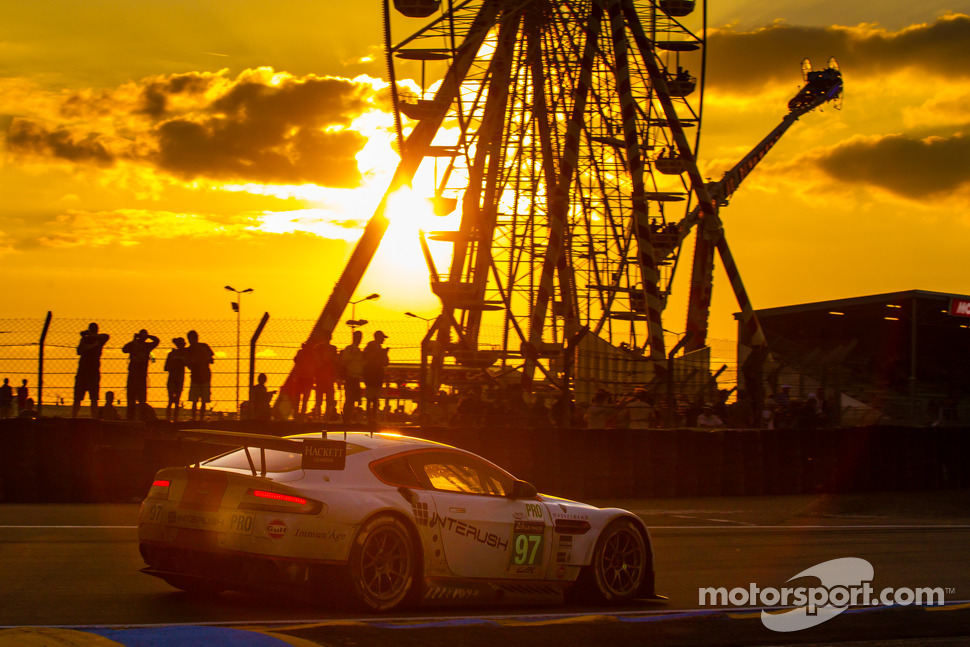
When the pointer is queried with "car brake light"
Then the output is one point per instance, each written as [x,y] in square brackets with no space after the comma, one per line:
[159,489]
[269,501]
[263,494]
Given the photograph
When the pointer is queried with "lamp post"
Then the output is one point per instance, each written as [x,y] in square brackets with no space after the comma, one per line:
[354,322]
[427,320]
[236,305]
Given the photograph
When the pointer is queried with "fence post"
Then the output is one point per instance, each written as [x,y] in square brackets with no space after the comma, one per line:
[40,363]
[252,356]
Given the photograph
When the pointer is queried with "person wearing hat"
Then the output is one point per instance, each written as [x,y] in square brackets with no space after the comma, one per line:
[708,419]
[375,362]
[139,351]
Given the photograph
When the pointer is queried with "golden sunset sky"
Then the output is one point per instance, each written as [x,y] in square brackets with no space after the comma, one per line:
[155,151]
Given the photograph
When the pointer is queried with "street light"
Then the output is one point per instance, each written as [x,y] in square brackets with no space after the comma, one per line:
[236,305]
[427,320]
[354,322]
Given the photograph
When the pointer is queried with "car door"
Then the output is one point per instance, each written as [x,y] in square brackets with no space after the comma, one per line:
[485,533]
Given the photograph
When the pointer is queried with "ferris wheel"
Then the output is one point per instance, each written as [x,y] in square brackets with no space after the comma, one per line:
[564,132]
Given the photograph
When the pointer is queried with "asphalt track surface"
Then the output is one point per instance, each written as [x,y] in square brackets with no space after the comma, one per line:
[70,577]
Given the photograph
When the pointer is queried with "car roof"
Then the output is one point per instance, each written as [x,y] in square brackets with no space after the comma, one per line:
[378,440]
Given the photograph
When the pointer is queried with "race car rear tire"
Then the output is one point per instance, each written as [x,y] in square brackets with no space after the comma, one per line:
[383,565]
[619,565]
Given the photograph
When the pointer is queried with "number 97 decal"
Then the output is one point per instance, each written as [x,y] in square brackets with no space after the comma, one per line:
[527,540]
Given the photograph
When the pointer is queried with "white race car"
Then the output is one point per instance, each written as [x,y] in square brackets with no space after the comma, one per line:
[390,519]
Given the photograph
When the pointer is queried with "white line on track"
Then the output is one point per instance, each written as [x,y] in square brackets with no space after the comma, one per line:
[74,527]
[823,527]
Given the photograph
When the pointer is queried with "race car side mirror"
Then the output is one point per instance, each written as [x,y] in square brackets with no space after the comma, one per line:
[524,490]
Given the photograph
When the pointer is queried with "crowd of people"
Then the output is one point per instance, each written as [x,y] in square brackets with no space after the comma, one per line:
[25,403]
[319,370]
[196,356]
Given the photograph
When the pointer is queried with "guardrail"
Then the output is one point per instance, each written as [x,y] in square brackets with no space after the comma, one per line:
[85,460]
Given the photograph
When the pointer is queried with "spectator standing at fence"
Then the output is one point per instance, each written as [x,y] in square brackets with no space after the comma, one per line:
[352,362]
[784,398]
[6,398]
[88,378]
[539,414]
[200,355]
[639,410]
[108,411]
[708,418]
[325,376]
[23,393]
[28,410]
[599,410]
[261,399]
[139,351]
[175,363]
[375,363]
[304,372]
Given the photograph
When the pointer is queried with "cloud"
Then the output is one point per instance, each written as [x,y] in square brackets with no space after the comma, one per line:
[740,61]
[25,136]
[261,126]
[77,228]
[908,167]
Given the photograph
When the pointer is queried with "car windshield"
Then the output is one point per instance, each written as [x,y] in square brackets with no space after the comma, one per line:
[276,461]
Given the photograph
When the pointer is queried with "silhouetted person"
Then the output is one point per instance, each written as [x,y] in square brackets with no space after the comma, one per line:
[175,363]
[28,410]
[375,361]
[146,412]
[539,414]
[640,413]
[326,374]
[304,372]
[470,410]
[352,363]
[200,375]
[88,378]
[139,351]
[108,411]
[708,419]
[22,394]
[600,409]
[6,398]
[563,411]
[261,398]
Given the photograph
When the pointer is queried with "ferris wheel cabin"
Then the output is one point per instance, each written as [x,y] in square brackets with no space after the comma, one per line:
[418,8]
[677,8]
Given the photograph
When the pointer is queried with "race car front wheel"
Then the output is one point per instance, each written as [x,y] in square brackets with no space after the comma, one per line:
[619,563]
[383,566]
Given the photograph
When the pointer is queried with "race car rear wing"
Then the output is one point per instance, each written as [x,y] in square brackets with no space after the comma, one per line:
[318,453]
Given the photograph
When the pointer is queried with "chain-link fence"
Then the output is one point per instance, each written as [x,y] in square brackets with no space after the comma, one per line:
[21,355]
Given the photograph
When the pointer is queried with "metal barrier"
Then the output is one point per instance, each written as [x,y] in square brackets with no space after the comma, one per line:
[85,460]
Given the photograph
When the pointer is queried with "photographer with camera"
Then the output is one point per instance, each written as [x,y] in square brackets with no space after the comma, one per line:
[88,378]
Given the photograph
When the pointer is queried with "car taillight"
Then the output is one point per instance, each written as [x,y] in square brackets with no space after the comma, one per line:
[159,489]
[270,501]
[572,527]
[276,496]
